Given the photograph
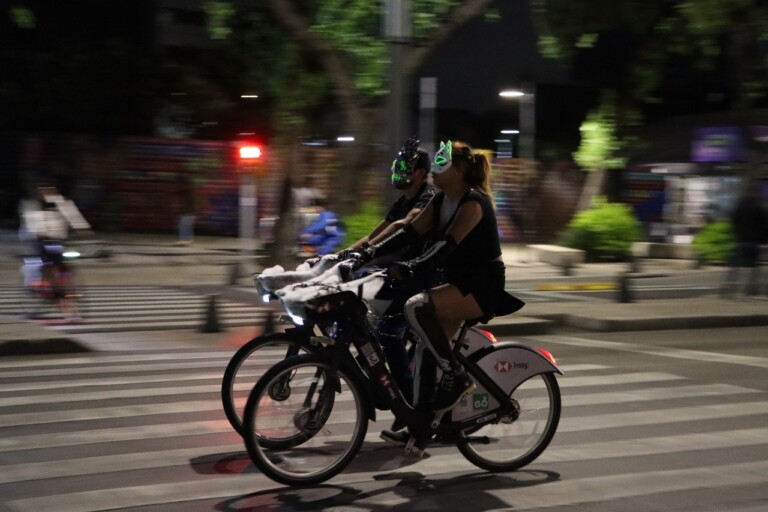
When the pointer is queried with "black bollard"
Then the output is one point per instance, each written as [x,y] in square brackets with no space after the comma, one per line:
[624,293]
[697,263]
[269,323]
[234,273]
[211,323]
[634,264]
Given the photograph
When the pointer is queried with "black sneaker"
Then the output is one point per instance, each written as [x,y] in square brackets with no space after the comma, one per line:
[397,438]
[452,389]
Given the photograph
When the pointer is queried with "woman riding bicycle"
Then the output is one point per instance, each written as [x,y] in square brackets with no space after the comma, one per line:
[462,215]
[45,228]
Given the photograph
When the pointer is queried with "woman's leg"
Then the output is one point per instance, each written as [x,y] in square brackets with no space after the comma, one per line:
[435,316]
[453,308]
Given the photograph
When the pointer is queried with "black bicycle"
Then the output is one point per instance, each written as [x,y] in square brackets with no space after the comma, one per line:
[328,397]
[303,337]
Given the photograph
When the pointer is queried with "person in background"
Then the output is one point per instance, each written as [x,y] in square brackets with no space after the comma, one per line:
[750,227]
[187,205]
[304,202]
[45,228]
[43,224]
[326,233]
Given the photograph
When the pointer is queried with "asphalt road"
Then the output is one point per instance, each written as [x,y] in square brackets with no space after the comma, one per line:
[666,420]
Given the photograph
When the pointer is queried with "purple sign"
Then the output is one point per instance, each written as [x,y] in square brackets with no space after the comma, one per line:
[717,144]
[759,133]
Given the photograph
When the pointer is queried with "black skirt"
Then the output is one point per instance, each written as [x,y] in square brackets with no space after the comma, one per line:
[486,285]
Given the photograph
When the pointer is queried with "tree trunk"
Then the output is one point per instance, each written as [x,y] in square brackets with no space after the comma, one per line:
[284,230]
[593,186]
[283,239]
[358,117]
[357,158]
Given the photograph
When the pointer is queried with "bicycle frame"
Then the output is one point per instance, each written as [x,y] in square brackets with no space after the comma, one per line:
[342,311]
[372,371]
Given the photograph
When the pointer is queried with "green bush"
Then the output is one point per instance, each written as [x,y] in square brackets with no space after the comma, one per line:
[604,232]
[361,223]
[715,241]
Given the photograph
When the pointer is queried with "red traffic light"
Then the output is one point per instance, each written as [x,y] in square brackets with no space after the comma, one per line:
[250,152]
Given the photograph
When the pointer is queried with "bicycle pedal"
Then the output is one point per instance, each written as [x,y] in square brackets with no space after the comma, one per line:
[437,419]
[412,449]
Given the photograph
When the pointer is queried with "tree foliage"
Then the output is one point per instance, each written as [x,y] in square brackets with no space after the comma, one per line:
[90,67]
[600,147]
[721,39]
[647,52]
[715,241]
[342,42]
[605,231]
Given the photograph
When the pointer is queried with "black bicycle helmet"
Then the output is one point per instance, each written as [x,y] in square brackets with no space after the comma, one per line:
[409,158]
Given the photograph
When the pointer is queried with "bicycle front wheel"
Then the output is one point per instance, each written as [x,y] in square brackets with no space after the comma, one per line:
[324,416]
[250,362]
[516,440]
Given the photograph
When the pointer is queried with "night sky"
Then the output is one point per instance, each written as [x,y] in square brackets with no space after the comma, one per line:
[485,57]
[481,58]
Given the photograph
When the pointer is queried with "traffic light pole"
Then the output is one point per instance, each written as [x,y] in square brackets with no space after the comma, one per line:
[248,214]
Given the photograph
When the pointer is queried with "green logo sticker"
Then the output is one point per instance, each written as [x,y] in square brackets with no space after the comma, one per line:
[480,401]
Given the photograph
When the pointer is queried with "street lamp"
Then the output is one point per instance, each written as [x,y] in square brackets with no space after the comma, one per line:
[504,144]
[526,138]
[527,121]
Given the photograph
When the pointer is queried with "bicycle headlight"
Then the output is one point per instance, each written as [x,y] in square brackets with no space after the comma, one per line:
[296,319]
[296,312]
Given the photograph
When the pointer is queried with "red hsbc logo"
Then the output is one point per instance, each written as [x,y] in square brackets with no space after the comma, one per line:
[385,381]
[506,366]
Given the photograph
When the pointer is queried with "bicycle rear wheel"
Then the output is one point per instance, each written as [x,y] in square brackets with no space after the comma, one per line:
[516,440]
[324,417]
[249,363]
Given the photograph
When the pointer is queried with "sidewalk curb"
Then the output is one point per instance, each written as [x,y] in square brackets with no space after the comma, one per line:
[664,323]
[544,324]
[519,326]
[43,341]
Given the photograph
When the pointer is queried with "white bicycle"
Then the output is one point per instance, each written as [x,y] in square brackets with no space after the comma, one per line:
[326,397]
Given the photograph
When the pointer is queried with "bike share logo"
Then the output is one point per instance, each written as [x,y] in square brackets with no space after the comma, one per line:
[506,366]
[479,402]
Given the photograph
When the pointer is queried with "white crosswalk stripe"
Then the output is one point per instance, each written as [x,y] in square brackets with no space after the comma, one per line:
[119,431]
[139,308]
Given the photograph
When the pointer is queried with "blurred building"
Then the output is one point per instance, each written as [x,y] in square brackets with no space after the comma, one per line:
[690,170]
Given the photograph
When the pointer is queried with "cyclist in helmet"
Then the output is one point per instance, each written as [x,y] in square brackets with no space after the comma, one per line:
[410,173]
